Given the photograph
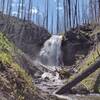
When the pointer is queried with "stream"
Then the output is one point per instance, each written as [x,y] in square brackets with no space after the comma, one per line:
[51,56]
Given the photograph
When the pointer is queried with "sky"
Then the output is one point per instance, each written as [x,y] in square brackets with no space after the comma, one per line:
[38,9]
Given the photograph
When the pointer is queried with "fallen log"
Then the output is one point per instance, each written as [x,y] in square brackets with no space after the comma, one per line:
[67,87]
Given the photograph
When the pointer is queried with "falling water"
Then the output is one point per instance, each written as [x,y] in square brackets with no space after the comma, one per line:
[50,54]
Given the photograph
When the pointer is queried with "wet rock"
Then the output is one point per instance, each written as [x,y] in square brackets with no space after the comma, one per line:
[50,76]
[64,73]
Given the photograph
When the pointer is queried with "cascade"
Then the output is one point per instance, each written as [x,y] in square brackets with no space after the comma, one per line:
[50,54]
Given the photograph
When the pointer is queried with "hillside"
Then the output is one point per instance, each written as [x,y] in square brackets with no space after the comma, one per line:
[15,82]
[49,49]
[24,34]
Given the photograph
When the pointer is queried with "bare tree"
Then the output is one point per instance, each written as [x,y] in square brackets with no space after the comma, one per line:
[10,7]
[7,8]
[64,6]
[99,8]
[30,10]
[47,6]
[52,23]
[19,8]
[22,8]
[69,11]
[57,16]
[2,5]
[75,15]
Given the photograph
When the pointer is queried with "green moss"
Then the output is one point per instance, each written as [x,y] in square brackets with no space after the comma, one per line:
[97,85]
[7,51]
[4,43]
[90,81]
[6,58]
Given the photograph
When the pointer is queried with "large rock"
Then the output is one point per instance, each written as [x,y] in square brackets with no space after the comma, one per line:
[26,35]
[76,44]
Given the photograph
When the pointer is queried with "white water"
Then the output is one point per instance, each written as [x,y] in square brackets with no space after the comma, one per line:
[50,54]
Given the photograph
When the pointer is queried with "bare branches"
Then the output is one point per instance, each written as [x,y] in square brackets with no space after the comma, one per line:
[68,13]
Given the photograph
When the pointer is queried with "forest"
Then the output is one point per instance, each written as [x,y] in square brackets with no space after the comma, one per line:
[49,49]
[74,12]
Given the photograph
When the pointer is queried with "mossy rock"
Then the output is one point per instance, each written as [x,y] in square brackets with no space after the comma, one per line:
[15,83]
[92,82]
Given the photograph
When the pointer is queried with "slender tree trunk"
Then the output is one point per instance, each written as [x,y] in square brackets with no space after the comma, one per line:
[30,10]
[47,5]
[99,9]
[64,7]
[57,16]
[52,23]
[22,9]
[69,10]
[10,8]
[75,15]
[7,8]
[19,7]
[3,5]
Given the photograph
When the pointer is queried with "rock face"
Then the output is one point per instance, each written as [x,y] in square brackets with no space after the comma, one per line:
[26,35]
[76,44]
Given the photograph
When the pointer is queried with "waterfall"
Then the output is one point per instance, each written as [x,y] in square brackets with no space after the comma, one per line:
[50,54]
